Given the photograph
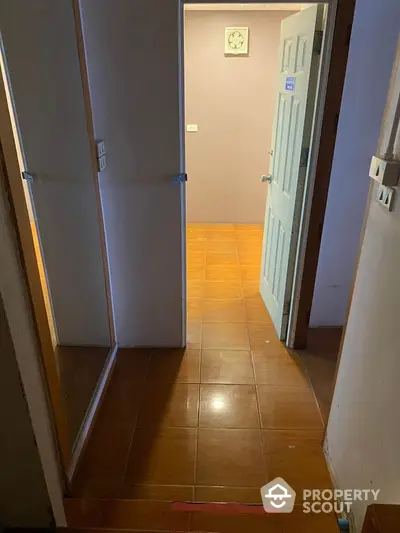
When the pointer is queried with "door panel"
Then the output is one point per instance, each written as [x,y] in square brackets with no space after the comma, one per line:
[298,73]
[46,85]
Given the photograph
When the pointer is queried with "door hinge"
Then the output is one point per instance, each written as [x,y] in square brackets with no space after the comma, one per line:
[27,176]
[286,307]
[181,178]
[305,152]
[318,39]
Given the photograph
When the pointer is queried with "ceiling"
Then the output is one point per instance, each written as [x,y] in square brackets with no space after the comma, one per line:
[245,7]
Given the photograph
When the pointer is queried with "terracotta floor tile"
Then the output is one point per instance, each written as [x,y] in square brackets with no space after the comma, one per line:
[249,227]
[196,273]
[114,515]
[251,289]
[196,260]
[256,311]
[249,253]
[194,335]
[288,408]
[222,258]
[223,335]
[299,522]
[227,310]
[250,273]
[255,236]
[228,406]
[196,247]
[279,369]
[167,404]
[196,234]
[175,366]
[226,366]
[195,288]
[283,440]
[101,469]
[236,523]
[222,289]
[196,225]
[221,246]
[302,470]
[219,227]
[221,236]
[162,456]
[230,457]
[223,273]
[167,493]
[227,494]
[166,456]
[132,362]
[194,309]
[264,337]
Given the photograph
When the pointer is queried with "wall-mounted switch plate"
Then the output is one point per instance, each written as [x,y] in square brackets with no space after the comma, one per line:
[385,196]
[192,128]
[101,163]
[385,172]
[100,148]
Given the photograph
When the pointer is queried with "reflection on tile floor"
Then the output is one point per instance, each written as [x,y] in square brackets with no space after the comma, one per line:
[213,422]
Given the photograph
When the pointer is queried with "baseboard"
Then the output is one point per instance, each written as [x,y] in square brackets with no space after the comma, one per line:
[347,515]
[88,421]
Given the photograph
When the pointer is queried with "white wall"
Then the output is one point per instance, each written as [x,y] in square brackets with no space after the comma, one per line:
[41,52]
[234,109]
[363,436]
[368,71]
[132,57]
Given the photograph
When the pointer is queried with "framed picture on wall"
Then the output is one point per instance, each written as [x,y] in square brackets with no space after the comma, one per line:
[236,41]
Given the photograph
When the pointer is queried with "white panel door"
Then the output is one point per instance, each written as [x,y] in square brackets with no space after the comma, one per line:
[298,73]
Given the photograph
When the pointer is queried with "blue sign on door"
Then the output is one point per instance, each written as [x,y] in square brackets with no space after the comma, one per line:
[290,84]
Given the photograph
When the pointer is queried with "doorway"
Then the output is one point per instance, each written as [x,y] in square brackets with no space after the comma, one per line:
[248,136]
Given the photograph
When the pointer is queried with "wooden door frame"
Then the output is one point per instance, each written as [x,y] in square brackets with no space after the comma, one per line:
[317,193]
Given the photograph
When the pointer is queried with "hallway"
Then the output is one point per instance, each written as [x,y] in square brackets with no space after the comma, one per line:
[212,423]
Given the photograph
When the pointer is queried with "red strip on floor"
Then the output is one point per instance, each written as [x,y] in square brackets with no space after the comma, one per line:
[218,508]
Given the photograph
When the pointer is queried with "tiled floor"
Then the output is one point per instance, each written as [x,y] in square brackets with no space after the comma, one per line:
[320,360]
[79,370]
[213,422]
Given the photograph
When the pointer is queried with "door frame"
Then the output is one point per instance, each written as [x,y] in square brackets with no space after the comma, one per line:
[68,454]
[328,102]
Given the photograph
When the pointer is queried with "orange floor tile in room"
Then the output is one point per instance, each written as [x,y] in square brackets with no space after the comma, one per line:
[211,423]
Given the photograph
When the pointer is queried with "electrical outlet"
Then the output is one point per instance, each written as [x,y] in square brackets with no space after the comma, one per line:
[385,196]
[101,163]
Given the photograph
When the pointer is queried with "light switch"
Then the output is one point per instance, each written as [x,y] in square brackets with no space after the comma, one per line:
[101,163]
[100,148]
[192,128]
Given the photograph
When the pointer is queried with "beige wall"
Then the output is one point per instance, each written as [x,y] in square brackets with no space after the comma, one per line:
[363,436]
[23,497]
[232,99]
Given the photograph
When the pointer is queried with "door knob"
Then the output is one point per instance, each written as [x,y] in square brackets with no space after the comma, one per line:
[267,178]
